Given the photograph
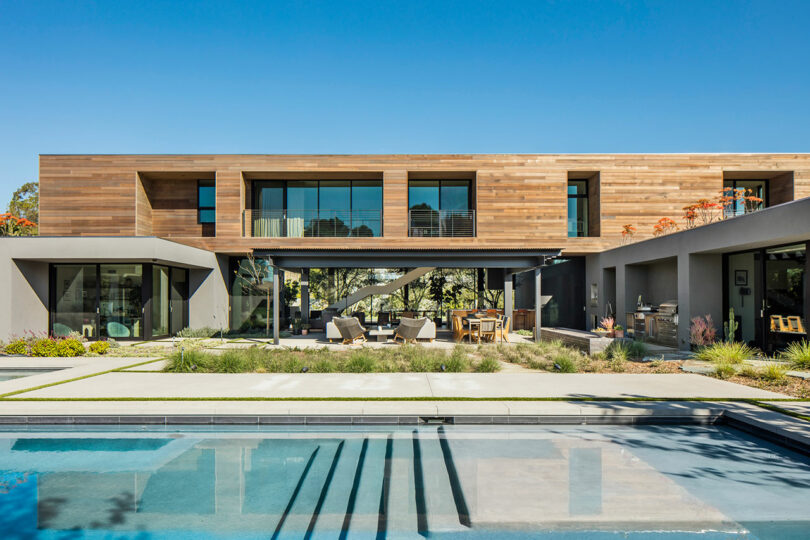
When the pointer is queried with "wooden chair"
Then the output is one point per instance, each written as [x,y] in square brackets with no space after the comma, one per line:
[777,324]
[488,330]
[795,324]
[502,330]
[383,318]
[407,315]
[459,332]
[350,329]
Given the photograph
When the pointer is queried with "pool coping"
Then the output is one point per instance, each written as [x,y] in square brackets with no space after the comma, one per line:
[787,431]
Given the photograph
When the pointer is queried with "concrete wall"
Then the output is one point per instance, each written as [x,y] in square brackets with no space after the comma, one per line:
[698,278]
[24,288]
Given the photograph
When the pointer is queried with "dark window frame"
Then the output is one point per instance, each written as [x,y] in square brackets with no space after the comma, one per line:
[257,185]
[146,297]
[766,189]
[439,187]
[200,208]
[586,196]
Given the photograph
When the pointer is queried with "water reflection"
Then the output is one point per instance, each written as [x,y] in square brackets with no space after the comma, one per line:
[494,482]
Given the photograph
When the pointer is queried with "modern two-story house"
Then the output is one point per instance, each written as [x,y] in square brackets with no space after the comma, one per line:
[140,246]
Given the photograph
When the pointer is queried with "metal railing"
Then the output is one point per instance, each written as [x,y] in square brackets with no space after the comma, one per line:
[312,223]
[441,223]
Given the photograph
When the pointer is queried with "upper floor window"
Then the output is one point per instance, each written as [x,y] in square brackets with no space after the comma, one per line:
[317,208]
[206,201]
[749,196]
[440,208]
[577,208]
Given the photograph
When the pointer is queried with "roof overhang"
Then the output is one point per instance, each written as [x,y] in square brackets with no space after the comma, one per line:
[408,258]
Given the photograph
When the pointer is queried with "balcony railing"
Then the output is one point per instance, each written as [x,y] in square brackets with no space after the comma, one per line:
[441,223]
[312,223]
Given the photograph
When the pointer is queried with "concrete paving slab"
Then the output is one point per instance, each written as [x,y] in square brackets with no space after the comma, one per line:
[157,365]
[80,369]
[397,385]
[799,407]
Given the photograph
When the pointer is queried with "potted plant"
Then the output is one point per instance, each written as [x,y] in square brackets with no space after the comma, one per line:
[305,328]
[608,325]
[296,326]
[618,331]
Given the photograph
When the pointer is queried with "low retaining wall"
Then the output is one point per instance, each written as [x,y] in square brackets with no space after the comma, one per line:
[587,342]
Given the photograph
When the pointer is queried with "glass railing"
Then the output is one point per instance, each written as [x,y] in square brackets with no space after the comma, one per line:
[441,223]
[312,223]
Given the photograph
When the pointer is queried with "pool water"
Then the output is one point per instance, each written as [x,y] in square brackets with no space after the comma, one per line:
[8,374]
[570,482]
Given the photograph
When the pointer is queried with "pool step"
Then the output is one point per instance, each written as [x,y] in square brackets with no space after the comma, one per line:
[444,507]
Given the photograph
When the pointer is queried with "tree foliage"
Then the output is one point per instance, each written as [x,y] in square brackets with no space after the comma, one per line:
[25,202]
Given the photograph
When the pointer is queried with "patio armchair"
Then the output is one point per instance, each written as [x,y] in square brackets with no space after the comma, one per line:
[487,330]
[408,329]
[350,329]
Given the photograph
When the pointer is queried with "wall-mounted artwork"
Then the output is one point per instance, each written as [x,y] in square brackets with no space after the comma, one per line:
[741,278]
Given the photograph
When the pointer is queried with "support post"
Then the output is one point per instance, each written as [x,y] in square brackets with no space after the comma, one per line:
[508,300]
[305,295]
[538,302]
[276,302]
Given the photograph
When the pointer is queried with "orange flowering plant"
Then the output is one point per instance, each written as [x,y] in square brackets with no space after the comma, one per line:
[627,232]
[11,225]
[665,225]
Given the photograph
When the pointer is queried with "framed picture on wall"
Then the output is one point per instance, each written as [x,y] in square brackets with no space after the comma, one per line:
[594,295]
[741,278]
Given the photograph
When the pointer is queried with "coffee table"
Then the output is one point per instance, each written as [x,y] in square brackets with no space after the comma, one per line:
[381,335]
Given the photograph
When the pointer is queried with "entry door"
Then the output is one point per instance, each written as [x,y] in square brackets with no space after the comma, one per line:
[178,306]
[160,301]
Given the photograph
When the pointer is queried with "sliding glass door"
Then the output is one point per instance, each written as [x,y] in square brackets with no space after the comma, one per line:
[119,301]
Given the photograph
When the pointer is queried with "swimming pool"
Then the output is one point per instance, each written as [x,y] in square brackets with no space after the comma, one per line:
[8,374]
[601,482]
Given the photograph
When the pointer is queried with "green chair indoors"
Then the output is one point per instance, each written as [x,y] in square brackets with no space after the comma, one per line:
[117,330]
[61,330]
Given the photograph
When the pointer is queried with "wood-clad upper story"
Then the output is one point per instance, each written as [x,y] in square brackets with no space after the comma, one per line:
[520,200]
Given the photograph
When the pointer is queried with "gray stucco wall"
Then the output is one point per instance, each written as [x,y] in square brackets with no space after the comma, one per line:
[24,291]
[698,252]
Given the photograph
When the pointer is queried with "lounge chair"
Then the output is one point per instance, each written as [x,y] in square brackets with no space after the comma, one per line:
[350,329]
[408,329]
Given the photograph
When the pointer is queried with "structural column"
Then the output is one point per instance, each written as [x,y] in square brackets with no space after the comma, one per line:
[508,299]
[538,302]
[276,303]
[305,295]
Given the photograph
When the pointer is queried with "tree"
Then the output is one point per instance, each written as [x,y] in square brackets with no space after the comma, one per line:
[25,202]
[14,226]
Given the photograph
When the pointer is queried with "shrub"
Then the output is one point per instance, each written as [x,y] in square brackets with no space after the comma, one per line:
[18,346]
[617,365]
[487,365]
[724,370]
[44,347]
[564,363]
[732,352]
[69,347]
[797,353]
[524,332]
[637,349]
[750,371]
[458,361]
[204,332]
[99,347]
[186,361]
[361,361]
[702,331]
[774,372]
[618,351]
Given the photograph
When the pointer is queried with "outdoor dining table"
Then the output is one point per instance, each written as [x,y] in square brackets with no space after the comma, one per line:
[473,321]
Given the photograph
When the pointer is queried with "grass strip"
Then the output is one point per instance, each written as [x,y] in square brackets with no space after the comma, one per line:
[787,412]
[415,398]
[74,379]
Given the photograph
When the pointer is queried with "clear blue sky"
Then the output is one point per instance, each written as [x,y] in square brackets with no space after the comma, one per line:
[409,76]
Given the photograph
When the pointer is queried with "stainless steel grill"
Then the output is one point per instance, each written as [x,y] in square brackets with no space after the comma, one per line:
[666,322]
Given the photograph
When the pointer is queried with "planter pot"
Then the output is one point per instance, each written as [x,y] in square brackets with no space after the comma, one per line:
[618,333]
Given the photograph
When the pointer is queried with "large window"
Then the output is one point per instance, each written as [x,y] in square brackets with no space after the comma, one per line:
[440,208]
[322,208]
[251,295]
[120,301]
[752,189]
[206,201]
[577,208]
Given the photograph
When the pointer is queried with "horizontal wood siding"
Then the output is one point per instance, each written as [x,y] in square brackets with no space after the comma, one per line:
[520,199]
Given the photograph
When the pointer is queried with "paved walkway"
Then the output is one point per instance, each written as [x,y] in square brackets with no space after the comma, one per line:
[390,385]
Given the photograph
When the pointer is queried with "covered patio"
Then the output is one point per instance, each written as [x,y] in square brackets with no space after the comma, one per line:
[501,264]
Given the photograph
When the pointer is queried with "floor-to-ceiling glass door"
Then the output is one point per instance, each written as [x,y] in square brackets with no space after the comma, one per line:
[784,295]
[178,305]
[119,301]
[767,289]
